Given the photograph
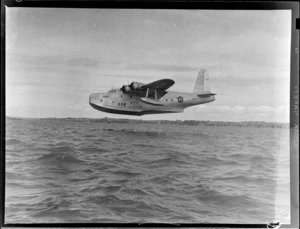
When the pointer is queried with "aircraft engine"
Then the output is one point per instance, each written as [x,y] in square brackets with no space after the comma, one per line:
[126,88]
[134,85]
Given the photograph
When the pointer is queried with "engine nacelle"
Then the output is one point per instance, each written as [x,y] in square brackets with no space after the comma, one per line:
[134,85]
[126,88]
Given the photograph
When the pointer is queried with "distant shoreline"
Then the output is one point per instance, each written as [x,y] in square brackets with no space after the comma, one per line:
[258,124]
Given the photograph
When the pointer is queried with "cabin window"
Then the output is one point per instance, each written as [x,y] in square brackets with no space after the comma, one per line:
[121,95]
[100,100]
[167,100]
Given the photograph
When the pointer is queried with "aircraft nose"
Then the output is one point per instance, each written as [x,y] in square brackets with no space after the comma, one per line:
[94,97]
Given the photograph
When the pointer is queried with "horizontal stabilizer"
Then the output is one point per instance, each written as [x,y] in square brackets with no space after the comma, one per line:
[206,95]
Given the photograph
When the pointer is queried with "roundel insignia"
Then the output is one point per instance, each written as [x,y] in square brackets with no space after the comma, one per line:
[180,99]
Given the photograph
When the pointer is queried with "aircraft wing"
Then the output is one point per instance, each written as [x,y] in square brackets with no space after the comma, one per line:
[163,84]
[157,88]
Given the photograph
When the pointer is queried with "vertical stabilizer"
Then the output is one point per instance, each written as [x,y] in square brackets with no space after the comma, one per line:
[202,83]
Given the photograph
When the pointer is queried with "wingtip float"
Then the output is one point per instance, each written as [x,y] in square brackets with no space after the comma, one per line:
[153,98]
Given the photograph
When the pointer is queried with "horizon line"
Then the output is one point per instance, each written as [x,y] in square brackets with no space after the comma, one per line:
[141,119]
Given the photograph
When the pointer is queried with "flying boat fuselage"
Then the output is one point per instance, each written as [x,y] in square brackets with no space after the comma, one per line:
[152,98]
[119,102]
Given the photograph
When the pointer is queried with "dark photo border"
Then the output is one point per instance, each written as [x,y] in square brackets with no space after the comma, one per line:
[175,4]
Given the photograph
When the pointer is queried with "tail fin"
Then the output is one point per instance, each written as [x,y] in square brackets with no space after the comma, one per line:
[202,84]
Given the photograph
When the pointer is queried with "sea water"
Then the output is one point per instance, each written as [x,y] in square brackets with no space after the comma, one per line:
[81,171]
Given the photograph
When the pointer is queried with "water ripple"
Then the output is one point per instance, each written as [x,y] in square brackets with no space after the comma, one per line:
[72,171]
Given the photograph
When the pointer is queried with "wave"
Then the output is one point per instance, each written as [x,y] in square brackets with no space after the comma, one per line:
[107,199]
[147,133]
[143,145]
[11,176]
[168,161]
[112,188]
[135,192]
[126,173]
[54,158]
[221,161]
[65,215]
[13,141]
[91,149]
[110,129]
[91,172]
[261,159]
[89,136]
[221,199]
[164,180]
[61,149]
[242,179]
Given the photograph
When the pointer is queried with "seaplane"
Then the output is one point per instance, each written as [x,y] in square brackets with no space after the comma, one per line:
[152,98]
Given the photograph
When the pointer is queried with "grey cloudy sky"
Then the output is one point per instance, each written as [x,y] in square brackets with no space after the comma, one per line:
[56,57]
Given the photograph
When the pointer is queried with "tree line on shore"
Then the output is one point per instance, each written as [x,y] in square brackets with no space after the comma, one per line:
[175,122]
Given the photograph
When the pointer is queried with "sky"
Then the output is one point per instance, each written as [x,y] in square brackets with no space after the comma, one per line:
[56,57]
